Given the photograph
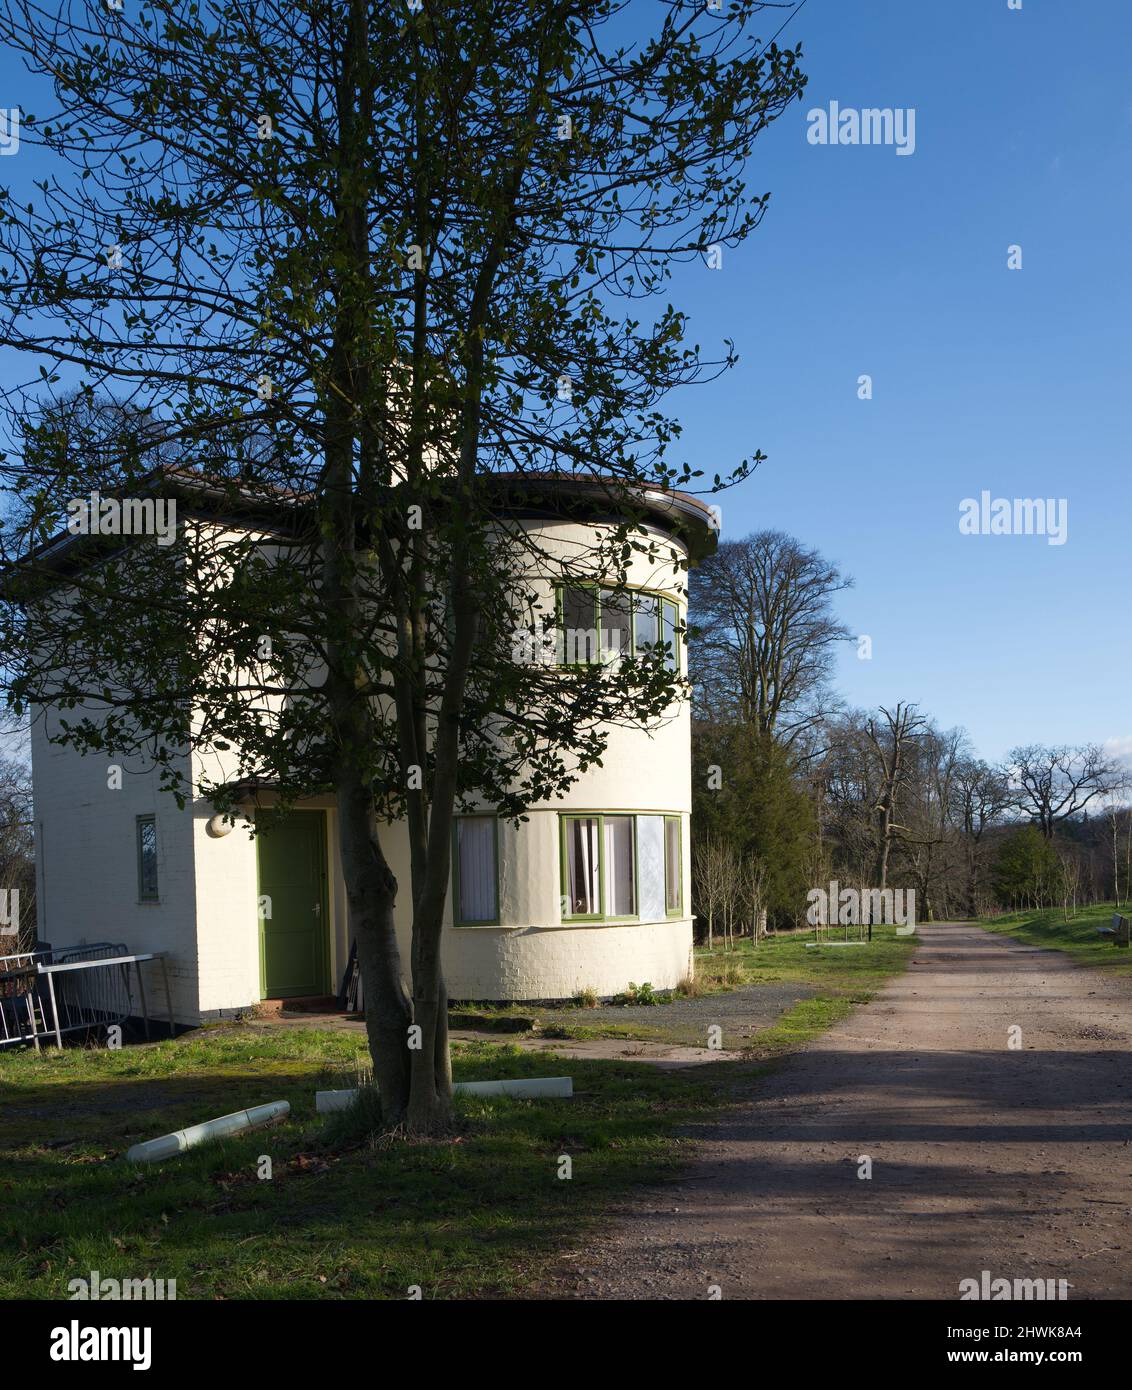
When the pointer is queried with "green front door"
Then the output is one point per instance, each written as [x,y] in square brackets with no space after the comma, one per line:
[293,928]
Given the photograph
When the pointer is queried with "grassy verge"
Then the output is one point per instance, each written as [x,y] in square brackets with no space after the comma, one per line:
[788,960]
[1076,938]
[470,1217]
[767,1016]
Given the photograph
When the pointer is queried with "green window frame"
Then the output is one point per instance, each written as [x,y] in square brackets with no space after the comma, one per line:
[145,844]
[458,917]
[670,634]
[601,915]
[673,856]
[667,622]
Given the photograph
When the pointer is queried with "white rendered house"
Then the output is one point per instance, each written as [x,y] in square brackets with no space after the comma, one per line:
[590,893]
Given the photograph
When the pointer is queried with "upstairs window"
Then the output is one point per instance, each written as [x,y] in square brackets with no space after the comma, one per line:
[597,624]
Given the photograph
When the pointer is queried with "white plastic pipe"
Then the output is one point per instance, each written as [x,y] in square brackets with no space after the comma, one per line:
[239,1122]
[526,1088]
[814,945]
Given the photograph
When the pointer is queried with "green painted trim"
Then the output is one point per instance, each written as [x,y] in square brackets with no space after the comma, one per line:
[563,877]
[677,665]
[678,910]
[457,920]
[139,821]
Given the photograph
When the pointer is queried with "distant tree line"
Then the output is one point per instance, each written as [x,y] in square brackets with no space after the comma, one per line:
[792,789]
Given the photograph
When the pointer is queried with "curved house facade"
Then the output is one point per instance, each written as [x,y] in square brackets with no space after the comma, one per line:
[591,892]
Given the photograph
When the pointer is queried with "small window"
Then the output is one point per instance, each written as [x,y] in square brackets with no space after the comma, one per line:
[650,868]
[620,866]
[616,624]
[579,623]
[147,858]
[673,868]
[647,622]
[669,636]
[477,874]
[581,846]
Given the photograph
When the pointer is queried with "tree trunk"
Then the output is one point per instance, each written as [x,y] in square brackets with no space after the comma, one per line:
[430,1096]
[371,892]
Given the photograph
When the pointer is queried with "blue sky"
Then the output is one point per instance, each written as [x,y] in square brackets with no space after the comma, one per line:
[983,378]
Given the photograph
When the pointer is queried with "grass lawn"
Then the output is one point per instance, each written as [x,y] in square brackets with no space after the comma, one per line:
[469,1217]
[1077,938]
[787,959]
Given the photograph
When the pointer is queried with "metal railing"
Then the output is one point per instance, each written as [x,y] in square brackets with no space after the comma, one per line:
[45,993]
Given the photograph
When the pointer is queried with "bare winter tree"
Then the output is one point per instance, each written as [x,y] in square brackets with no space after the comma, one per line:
[892,740]
[1053,783]
[709,874]
[980,797]
[765,630]
[929,839]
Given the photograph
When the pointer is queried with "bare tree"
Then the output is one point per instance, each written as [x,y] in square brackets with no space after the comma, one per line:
[708,874]
[761,608]
[892,743]
[1070,881]
[980,797]
[753,878]
[1053,783]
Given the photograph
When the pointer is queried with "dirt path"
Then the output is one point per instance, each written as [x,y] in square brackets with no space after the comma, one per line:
[1014,1161]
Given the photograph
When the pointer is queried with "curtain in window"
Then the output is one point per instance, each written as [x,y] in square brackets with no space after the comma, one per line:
[620,891]
[476,853]
[650,866]
[582,882]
